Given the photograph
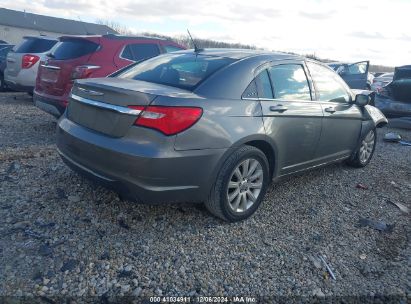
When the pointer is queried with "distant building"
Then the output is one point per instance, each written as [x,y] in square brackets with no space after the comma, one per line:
[14,25]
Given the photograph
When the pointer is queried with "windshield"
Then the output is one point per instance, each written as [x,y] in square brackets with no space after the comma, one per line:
[185,71]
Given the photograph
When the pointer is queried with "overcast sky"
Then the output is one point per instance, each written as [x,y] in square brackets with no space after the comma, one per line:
[349,30]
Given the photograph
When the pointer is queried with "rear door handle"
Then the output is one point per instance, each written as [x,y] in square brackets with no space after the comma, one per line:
[330,110]
[278,108]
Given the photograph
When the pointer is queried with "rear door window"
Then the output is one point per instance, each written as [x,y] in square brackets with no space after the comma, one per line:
[73,48]
[140,51]
[35,45]
[289,82]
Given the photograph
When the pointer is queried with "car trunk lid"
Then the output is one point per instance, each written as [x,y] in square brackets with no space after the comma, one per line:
[103,104]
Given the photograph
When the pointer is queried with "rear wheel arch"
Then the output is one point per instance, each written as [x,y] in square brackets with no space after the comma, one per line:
[268,150]
[260,141]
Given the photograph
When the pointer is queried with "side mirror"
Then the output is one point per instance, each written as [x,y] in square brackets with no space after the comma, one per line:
[362,100]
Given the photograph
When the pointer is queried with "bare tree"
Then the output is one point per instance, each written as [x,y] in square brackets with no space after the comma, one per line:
[119,28]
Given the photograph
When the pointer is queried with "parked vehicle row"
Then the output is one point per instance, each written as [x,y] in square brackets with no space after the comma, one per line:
[89,57]
[48,66]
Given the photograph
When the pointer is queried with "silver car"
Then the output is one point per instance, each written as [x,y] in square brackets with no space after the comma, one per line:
[381,81]
[23,62]
[214,127]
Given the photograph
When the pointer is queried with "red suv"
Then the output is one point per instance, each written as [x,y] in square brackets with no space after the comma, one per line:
[76,57]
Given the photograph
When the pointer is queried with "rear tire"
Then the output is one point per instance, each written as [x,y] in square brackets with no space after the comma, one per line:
[240,185]
[365,151]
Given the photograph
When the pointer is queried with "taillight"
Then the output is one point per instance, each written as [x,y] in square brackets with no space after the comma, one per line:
[28,61]
[83,71]
[168,120]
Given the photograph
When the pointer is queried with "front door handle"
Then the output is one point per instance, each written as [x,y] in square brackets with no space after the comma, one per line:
[278,108]
[330,110]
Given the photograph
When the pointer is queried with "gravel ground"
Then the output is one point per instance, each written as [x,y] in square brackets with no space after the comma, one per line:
[61,235]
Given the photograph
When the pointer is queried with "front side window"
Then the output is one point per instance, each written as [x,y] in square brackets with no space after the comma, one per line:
[290,82]
[329,85]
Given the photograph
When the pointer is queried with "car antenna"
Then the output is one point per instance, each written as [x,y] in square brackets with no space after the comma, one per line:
[196,49]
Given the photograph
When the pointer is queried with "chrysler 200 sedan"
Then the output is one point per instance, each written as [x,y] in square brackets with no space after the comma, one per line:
[214,126]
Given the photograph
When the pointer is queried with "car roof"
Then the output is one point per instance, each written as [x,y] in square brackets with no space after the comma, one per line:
[113,37]
[40,37]
[240,53]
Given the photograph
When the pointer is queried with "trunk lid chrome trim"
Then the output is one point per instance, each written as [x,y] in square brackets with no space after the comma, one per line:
[107,106]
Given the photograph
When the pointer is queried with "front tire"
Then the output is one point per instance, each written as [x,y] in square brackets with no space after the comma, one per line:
[365,151]
[240,185]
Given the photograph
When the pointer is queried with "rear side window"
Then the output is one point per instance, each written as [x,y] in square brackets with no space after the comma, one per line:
[184,71]
[264,86]
[73,48]
[35,45]
[290,82]
[329,86]
[140,51]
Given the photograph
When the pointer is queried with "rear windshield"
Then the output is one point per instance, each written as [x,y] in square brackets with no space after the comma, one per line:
[73,48]
[185,71]
[34,45]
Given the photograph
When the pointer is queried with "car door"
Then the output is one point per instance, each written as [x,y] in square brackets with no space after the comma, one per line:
[290,116]
[342,119]
[356,74]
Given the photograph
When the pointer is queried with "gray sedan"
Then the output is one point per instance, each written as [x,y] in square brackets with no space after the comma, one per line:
[214,127]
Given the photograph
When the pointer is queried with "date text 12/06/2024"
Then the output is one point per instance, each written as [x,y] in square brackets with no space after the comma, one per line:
[203,299]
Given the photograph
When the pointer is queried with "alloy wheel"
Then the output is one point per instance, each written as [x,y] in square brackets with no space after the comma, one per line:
[245,185]
[367,146]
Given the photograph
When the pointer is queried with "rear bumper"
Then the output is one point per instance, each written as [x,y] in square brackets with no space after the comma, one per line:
[24,81]
[128,167]
[17,87]
[49,105]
